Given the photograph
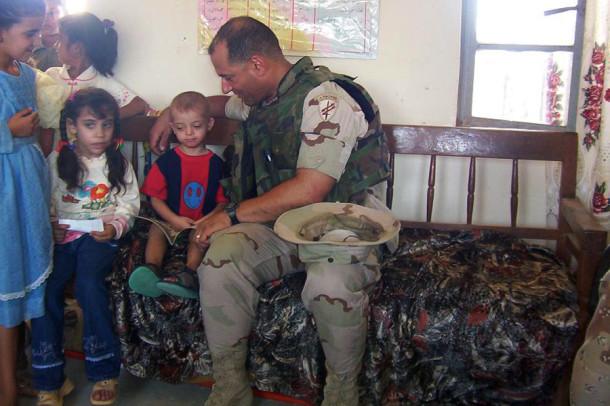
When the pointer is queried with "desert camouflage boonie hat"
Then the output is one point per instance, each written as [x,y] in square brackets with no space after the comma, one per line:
[336,232]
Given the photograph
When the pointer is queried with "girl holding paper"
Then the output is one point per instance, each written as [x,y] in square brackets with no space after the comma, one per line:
[90,180]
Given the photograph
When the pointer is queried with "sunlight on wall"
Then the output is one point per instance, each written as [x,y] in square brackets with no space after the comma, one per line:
[75,6]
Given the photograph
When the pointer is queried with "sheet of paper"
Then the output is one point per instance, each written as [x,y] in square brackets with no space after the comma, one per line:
[85,226]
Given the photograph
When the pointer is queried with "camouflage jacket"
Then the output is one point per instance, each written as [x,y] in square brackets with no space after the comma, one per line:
[268,142]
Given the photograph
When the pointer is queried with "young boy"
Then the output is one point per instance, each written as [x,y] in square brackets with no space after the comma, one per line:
[183,186]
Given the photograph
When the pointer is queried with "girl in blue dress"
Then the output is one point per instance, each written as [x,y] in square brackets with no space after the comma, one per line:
[25,247]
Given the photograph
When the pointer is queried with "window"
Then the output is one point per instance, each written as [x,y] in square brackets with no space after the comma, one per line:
[520,63]
[75,6]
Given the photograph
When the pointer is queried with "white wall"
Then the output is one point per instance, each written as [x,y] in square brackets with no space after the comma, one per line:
[414,79]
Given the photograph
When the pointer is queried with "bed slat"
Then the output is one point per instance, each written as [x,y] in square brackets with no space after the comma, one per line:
[431,183]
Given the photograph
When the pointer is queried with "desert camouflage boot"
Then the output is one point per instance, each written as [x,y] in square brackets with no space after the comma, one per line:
[341,391]
[232,384]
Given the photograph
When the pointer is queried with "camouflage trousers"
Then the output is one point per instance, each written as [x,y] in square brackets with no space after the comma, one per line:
[591,370]
[243,257]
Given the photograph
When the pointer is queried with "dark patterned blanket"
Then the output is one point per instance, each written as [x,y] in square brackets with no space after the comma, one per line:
[457,318]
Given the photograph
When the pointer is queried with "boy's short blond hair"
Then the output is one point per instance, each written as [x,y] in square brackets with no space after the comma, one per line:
[188,101]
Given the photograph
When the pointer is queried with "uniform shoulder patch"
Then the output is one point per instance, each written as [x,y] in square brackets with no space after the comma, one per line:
[327,106]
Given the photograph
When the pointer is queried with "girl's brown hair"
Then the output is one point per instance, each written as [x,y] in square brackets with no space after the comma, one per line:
[12,11]
[102,105]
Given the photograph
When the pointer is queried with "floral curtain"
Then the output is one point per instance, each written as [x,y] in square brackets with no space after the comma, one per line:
[593,123]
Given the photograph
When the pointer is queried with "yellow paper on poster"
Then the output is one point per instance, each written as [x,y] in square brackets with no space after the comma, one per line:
[345,28]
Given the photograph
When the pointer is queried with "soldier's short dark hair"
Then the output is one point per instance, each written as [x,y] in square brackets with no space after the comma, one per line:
[244,37]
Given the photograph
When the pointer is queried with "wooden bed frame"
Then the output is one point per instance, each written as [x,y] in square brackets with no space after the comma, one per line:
[578,235]
[580,239]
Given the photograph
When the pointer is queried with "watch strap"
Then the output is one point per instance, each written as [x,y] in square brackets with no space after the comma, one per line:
[231,210]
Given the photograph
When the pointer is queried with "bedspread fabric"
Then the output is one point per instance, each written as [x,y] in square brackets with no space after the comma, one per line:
[457,318]
[468,318]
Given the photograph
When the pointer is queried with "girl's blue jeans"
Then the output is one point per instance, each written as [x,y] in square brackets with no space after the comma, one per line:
[91,262]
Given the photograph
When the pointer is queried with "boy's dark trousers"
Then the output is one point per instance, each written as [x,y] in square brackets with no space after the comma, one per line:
[90,262]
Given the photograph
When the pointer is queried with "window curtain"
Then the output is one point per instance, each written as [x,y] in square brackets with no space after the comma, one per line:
[593,122]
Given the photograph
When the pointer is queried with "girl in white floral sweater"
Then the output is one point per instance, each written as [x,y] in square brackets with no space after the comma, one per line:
[91,182]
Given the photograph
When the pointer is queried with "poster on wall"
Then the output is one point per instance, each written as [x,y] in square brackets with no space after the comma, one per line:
[332,28]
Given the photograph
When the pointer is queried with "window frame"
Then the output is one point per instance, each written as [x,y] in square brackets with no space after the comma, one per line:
[469,47]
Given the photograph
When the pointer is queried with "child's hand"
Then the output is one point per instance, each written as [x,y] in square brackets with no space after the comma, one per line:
[23,123]
[180,223]
[59,231]
[104,236]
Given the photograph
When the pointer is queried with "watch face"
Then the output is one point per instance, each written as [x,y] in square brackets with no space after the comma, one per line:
[230,209]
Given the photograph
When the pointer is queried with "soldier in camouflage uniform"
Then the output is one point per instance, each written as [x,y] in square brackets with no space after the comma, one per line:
[308,135]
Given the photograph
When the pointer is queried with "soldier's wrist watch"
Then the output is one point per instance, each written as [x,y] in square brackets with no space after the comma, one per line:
[231,210]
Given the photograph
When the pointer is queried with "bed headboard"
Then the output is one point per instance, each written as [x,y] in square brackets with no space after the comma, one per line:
[473,143]
[578,234]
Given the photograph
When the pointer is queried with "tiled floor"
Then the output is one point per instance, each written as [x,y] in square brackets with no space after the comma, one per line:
[138,392]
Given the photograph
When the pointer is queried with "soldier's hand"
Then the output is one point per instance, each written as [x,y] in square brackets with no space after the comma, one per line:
[216,222]
[159,134]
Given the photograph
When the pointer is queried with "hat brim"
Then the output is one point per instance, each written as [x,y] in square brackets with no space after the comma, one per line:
[287,225]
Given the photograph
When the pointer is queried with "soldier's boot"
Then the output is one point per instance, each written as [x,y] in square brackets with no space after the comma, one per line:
[231,381]
[341,390]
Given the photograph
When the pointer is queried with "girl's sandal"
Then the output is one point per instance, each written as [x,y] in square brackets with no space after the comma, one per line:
[55,397]
[108,386]
[183,283]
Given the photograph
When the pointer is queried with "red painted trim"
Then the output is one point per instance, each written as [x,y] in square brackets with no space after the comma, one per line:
[315,16]
[208,382]
[278,397]
[74,354]
[292,29]
[366,28]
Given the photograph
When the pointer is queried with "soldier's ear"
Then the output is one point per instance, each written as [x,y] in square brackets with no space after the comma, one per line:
[258,65]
